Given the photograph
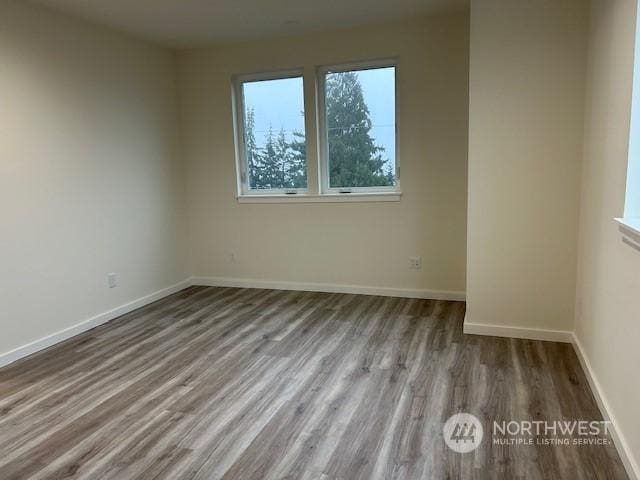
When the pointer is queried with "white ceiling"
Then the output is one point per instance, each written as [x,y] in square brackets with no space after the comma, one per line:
[196,22]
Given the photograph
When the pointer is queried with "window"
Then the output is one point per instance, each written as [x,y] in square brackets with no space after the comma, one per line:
[632,199]
[272,147]
[631,219]
[356,158]
[358,128]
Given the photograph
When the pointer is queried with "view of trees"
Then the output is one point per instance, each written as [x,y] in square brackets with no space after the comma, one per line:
[279,163]
[355,159]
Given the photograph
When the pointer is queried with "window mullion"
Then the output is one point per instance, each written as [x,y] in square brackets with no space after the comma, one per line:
[311,127]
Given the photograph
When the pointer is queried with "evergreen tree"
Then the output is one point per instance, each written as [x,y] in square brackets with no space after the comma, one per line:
[282,155]
[355,160]
[298,161]
[253,156]
[271,165]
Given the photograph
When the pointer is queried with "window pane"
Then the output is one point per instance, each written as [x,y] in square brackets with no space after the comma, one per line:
[361,118]
[274,134]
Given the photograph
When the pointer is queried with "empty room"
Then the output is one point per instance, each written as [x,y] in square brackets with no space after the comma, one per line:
[277,239]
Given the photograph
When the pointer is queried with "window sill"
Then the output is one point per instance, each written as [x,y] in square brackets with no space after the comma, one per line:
[325,198]
[630,229]
[632,224]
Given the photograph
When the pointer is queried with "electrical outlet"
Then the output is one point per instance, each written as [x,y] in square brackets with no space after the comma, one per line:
[415,263]
[112,280]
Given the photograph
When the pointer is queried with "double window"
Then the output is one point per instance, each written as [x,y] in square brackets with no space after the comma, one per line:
[355,127]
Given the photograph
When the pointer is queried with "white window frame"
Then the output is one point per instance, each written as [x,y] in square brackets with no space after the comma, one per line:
[242,165]
[323,138]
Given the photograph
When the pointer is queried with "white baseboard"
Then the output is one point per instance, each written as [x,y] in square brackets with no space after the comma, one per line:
[329,288]
[517,332]
[62,335]
[630,463]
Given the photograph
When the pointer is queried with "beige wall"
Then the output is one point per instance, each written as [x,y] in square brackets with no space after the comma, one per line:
[608,301]
[365,244]
[525,143]
[88,181]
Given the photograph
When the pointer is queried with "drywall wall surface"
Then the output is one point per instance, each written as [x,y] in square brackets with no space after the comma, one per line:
[527,65]
[89,178]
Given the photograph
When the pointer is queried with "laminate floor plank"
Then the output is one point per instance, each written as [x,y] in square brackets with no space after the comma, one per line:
[229,383]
